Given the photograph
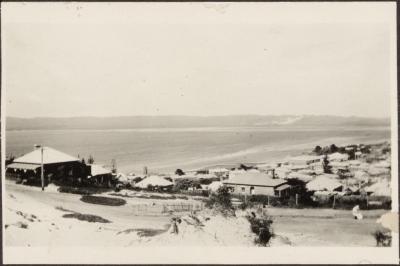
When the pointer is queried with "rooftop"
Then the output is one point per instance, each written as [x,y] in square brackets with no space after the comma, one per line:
[50,156]
[254,179]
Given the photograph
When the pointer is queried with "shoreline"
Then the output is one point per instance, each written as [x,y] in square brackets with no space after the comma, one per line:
[287,154]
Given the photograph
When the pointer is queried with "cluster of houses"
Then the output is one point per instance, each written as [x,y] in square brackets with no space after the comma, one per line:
[346,176]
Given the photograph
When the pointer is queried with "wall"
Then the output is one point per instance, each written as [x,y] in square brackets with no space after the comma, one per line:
[257,190]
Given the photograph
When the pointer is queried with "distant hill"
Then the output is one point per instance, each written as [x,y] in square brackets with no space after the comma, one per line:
[132,122]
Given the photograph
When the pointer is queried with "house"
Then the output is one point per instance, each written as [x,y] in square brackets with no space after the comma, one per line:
[257,184]
[99,175]
[339,157]
[219,172]
[154,181]
[304,160]
[324,183]
[381,188]
[303,177]
[214,186]
[57,166]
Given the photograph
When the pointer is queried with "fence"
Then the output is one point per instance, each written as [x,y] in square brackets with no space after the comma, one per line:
[165,209]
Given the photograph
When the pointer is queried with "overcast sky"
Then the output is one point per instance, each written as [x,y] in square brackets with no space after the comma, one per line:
[198,59]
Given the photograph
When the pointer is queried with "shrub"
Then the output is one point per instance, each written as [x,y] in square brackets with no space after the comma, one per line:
[246,205]
[383,239]
[103,200]
[327,167]
[185,184]
[179,172]
[81,190]
[86,217]
[220,201]
[262,228]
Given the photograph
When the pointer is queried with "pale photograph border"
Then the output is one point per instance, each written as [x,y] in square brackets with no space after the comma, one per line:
[214,255]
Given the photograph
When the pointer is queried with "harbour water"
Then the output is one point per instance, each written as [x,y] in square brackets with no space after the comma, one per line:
[187,148]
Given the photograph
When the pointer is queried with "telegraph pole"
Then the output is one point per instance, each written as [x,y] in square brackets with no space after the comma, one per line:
[42,170]
[41,164]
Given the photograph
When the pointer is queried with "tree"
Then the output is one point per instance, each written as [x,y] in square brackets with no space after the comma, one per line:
[326,150]
[352,155]
[326,166]
[90,160]
[179,172]
[333,148]
[113,166]
[221,200]
[317,150]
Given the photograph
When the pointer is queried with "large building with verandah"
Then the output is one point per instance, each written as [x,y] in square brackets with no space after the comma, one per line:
[57,166]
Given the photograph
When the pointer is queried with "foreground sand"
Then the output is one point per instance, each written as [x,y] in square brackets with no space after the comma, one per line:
[35,218]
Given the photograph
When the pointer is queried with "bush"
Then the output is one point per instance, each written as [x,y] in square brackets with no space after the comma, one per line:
[348,202]
[185,184]
[201,193]
[383,239]
[82,190]
[262,228]
[220,201]
[246,205]
[103,200]
[86,217]
[179,172]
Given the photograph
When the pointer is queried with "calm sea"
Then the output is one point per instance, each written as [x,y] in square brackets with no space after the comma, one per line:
[188,148]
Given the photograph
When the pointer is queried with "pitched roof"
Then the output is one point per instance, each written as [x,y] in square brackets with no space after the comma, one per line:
[154,181]
[323,182]
[96,169]
[305,158]
[338,156]
[23,166]
[254,179]
[49,156]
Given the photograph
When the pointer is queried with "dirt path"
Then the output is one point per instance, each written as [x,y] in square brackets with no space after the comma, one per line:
[325,227]
[302,227]
[121,216]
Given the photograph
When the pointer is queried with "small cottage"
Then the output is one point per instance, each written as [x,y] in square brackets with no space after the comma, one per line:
[257,184]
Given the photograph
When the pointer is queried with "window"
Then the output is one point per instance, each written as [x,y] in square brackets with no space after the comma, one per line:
[251,190]
[243,189]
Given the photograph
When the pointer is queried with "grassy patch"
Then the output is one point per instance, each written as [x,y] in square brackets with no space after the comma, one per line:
[144,232]
[103,200]
[150,196]
[82,190]
[86,217]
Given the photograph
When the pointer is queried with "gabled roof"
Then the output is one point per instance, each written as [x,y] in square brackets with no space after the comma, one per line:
[49,156]
[254,179]
[154,181]
[323,182]
[96,169]
[23,166]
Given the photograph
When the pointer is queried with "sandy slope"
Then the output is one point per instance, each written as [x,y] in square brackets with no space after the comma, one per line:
[33,218]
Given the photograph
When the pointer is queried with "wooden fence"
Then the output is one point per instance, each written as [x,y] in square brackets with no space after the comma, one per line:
[165,209]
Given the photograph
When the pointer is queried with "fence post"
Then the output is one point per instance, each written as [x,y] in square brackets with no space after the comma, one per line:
[268,200]
[334,201]
[297,199]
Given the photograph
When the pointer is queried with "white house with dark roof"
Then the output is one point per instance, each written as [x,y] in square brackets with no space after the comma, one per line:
[257,184]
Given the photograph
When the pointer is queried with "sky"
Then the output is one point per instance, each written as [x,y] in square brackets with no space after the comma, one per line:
[102,59]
